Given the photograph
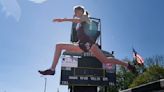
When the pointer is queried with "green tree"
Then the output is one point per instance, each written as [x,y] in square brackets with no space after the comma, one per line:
[151,70]
[124,77]
[154,72]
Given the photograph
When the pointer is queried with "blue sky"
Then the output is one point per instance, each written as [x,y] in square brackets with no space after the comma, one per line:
[28,35]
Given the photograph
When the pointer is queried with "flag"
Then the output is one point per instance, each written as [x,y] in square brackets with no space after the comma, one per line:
[137,57]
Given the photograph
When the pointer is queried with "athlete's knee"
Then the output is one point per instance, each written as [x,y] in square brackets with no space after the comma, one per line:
[62,46]
[59,46]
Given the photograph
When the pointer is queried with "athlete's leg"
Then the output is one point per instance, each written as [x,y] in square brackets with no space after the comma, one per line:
[102,58]
[58,50]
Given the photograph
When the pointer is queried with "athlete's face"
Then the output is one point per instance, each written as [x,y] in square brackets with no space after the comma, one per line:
[78,13]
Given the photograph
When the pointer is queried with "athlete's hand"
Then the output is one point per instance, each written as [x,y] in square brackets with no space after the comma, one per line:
[58,20]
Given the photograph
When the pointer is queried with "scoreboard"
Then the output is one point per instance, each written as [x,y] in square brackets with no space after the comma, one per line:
[86,71]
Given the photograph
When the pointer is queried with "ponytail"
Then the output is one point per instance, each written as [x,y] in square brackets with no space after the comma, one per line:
[86,13]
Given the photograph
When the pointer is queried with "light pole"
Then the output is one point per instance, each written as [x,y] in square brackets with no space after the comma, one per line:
[45,85]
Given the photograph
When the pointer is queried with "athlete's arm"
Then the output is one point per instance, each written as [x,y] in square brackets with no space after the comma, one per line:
[69,20]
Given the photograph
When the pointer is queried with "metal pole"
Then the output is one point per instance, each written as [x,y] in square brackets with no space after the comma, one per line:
[45,84]
[100,35]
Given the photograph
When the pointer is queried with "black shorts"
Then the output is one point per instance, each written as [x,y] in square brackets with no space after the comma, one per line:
[85,46]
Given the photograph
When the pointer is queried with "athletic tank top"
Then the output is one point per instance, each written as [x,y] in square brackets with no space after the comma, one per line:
[85,42]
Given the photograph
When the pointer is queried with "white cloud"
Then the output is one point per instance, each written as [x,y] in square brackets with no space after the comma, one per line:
[11,8]
[38,1]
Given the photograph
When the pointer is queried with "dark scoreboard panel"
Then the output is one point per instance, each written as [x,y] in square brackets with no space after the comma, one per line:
[82,76]
[90,62]
[90,81]
[88,72]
